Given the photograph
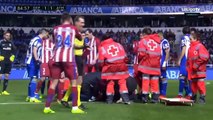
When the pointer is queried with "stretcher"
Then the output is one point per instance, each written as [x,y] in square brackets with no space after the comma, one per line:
[176,101]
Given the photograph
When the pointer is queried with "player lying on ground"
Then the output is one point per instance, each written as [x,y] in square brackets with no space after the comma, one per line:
[94,88]
[198,57]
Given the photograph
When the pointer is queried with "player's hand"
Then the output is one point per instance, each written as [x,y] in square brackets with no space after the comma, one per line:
[12,58]
[163,68]
[178,63]
[38,62]
[1,58]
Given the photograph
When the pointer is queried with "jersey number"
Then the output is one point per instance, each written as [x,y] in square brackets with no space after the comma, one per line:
[67,41]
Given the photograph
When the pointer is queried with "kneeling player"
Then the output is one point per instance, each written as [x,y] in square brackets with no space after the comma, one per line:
[112,58]
[198,57]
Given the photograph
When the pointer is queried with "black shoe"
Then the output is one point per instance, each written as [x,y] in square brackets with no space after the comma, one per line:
[145,98]
[83,107]
[194,98]
[65,104]
[125,98]
[155,98]
[110,99]
[202,100]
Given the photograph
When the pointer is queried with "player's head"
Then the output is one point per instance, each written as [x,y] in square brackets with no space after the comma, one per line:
[186,30]
[193,36]
[83,34]
[88,33]
[106,36]
[66,19]
[160,34]
[79,22]
[43,33]
[7,35]
[147,31]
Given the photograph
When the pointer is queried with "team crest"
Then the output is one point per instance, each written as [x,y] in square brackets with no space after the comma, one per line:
[195,52]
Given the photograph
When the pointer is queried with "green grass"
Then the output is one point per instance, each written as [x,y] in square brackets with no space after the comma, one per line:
[101,111]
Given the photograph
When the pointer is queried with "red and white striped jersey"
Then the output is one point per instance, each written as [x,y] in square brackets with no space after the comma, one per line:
[135,51]
[65,35]
[93,53]
[47,50]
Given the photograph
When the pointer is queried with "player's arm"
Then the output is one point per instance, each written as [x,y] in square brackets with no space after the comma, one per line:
[203,57]
[1,57]
[13,52]
[77,34]
[183,45]
[35,49]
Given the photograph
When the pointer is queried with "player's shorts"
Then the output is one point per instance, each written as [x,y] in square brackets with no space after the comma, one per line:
[163,73]
[79,63]
[33,70]
[183,71]
[45,71]
[5,67]
[70,70]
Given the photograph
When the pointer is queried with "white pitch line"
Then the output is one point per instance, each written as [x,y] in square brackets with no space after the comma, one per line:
[20,103]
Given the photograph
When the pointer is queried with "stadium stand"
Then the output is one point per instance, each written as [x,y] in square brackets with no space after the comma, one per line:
[126,38]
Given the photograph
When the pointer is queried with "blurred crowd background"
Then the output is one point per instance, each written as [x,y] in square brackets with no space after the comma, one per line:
[126,38]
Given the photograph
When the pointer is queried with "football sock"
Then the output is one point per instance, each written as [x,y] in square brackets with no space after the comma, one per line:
[43,87]
[79,95]
[5,84]
[50,96]
[29,87]
[163,87]
[181,86]
[67,94]
[74,97]
[33,87]
[188,88]
[38,87]
[60,90]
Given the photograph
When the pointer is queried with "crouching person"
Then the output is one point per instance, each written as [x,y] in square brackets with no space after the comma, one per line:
[112,59]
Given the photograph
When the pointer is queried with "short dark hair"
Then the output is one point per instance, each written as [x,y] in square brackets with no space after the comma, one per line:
[89,30]
[7,32]
[147,31]
[78,17]
[65,17]
[43,30]
[186,30]
[193,30]
[106,36]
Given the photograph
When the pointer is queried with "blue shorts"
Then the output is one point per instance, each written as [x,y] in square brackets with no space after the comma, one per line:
[183,71]
[163,73]
[33,70]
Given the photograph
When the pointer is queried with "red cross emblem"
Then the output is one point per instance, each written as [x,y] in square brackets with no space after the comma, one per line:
[152,45]
[112,50]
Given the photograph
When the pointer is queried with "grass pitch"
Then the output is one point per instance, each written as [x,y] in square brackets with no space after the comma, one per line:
[14,107]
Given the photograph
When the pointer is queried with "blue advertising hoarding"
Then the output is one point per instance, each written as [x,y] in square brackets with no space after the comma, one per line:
[107,10]
[172,73]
